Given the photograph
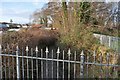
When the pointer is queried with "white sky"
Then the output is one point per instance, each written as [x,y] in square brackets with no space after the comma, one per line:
[20,10]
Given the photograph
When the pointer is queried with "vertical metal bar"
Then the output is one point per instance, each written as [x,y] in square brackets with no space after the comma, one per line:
[82,65]
[69,64]
[87,66]
[8,62]
[13,64]
[36,50]
[32,62]
[22,64]
[101,65]
[0,62]
[75,65]
[101,39]
[46,62]
[109,41]
[41,63]
[94,55]
[52,65]
[115,71]
[5,64]
[107,73]
[27,62]
[58,52]
[17,63]
[63,64]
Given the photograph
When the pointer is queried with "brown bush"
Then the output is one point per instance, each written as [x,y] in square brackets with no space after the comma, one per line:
[30,37]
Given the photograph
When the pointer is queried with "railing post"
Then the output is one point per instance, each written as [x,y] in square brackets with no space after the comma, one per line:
[17,63]
[36,50]
[101,39]
[58,52]
[107,73]
[63,64]
[0,63]
[82,65]
[75,65]
[94,55]
[109,41]
[47,51]
[69,53]
[27,50]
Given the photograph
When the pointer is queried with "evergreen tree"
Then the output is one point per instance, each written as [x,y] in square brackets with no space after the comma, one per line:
[84,12]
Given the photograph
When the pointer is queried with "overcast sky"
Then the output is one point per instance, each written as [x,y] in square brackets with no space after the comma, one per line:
[19,12]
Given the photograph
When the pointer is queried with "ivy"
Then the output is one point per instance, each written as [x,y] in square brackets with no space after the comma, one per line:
[84,12]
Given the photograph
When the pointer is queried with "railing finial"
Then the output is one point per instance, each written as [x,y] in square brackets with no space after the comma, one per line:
[69,52]
[58,50]
[46,50]
[27,48]
[0,46]
[36,49]
[108,54]
[82,53]
[94,53]
[17,48]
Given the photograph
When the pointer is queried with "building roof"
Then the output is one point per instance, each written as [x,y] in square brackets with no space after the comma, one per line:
[4,23]
[37,25]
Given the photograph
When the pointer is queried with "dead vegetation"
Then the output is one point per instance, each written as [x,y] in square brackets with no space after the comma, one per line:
[30,37]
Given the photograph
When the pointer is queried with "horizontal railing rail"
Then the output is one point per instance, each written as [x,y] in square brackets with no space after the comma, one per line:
[60,60]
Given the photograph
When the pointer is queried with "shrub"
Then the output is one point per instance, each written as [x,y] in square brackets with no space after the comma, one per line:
[30,37]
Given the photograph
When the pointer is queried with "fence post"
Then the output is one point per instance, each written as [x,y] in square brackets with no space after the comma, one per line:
[107,73]
[17,63]
[36,51]
[109,41]
[0,63]
[58,52]
[82,65]
[47,51]
[27,50]
[69,53]
[101,39]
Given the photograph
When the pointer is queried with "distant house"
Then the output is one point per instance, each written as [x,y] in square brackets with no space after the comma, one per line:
[41,26]
[15,27]
[25,26]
